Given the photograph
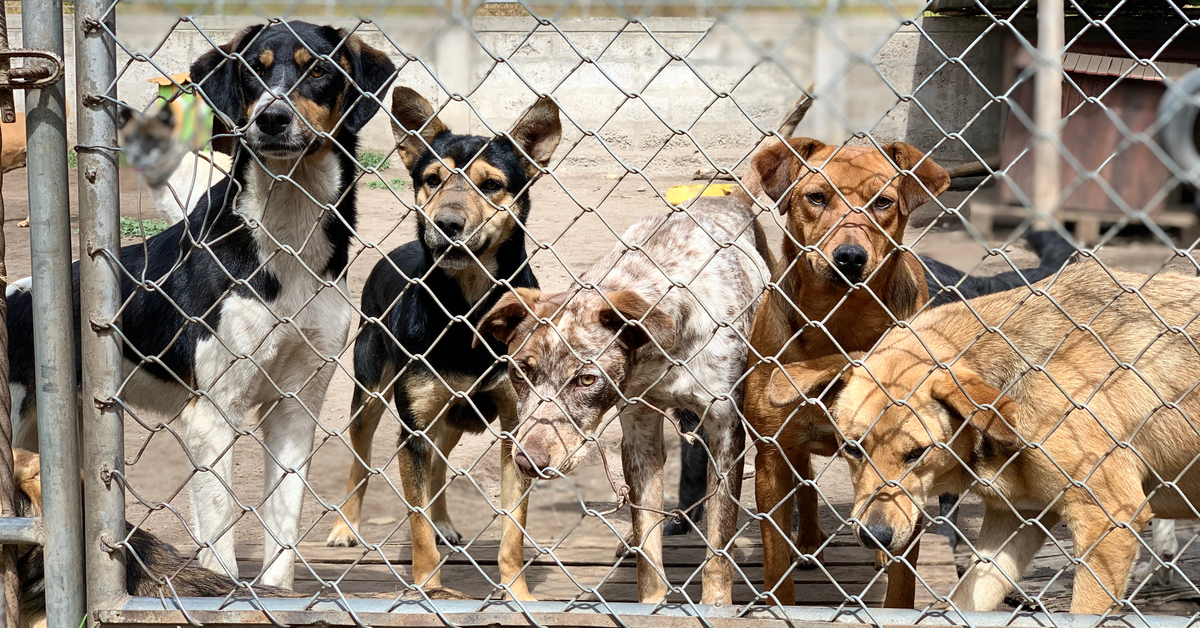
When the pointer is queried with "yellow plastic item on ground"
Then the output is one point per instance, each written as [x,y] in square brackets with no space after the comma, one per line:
[680,194]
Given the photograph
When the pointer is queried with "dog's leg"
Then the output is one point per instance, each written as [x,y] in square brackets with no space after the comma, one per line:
[947,503]
[642,459]
[726,441]
[1106,550]
[693,475]
[514,487]
[214,510]
[366,415]
[1166,548]
[902,581]
[446,440]
[288,433]
[810,537]
[415,458]
[774,484]
[984,585]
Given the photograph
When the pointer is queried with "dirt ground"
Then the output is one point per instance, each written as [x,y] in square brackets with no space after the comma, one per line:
[158,470]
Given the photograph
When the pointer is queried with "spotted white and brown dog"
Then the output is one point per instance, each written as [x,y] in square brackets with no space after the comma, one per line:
[659,324]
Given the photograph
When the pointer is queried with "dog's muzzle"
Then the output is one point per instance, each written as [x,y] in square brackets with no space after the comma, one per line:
[449,250]
[851,260]
[276,131]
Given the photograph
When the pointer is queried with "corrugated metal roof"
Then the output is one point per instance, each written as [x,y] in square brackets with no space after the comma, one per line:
[1098,65]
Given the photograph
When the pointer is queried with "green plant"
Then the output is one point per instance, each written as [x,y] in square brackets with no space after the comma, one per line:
[395,184]
[72,160]
[133,228]
[369,159]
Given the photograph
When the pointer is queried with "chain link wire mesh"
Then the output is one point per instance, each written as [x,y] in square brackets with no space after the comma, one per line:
[449,292]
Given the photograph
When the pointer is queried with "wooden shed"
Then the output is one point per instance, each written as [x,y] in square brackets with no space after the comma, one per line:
[1109,101]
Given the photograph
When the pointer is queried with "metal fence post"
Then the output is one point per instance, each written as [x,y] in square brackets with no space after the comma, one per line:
[54,351]
[100,299]
[1047,111]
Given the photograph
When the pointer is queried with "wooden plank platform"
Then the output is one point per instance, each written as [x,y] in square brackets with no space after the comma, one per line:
[576,569]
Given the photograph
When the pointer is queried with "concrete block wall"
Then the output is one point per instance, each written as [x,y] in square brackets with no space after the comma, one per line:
[870,73]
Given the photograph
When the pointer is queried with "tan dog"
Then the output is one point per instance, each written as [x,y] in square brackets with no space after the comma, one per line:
[1078,371]
[829,245]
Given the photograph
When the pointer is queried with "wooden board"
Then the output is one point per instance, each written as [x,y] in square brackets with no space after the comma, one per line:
[584,569]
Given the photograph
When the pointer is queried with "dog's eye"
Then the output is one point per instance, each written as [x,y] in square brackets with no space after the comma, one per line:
[491,185]
[915,455]
[883,202]
[585,380]
[852,450]
[317,71]
[433,180]
[816,198]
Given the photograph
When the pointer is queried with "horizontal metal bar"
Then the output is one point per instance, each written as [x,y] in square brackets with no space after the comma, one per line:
[22,531]
[382,612]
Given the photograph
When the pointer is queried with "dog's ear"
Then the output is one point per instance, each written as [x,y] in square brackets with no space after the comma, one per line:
[372,72]
[125,115]
[775,167]
[510,310]
[808,378]
[217,77]
[644,321]
[538,133]
[416,122]
[27,476]
[929,180]
[965,399]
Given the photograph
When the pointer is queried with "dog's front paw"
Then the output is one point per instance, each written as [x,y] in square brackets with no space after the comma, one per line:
[1160,576]
[341,536]
[447,531]
[623,548]
[811,545]
[676,526]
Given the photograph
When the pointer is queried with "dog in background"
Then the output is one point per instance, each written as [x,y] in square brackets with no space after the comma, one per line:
[628,330]
[251,297]
[841,266]
[1107,405]
[469,239]
[165,145]
[159,570]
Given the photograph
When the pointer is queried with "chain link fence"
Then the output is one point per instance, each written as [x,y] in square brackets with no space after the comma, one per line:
[616,314]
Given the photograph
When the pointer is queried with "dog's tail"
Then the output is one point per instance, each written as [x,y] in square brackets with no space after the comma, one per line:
[761,245]
[796,115]
[1053,253]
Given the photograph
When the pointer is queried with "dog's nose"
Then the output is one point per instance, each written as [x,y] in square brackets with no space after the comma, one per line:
[451,224]
[875,535]
[274,120]
[850,259]
[530,463]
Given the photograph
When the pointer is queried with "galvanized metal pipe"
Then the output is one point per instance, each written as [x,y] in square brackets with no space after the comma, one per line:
[1047,111]
[22,531]
[142,611]
[100,301]
[53,337]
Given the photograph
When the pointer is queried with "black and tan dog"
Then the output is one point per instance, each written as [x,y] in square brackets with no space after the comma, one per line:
[469,239]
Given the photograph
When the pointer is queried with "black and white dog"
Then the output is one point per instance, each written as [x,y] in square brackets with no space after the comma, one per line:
[232,316]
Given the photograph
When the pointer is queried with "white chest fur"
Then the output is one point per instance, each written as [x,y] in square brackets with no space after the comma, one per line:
[285,207]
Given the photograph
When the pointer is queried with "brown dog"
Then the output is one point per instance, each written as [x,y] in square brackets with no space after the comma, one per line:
[829,246]
[1101,378]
